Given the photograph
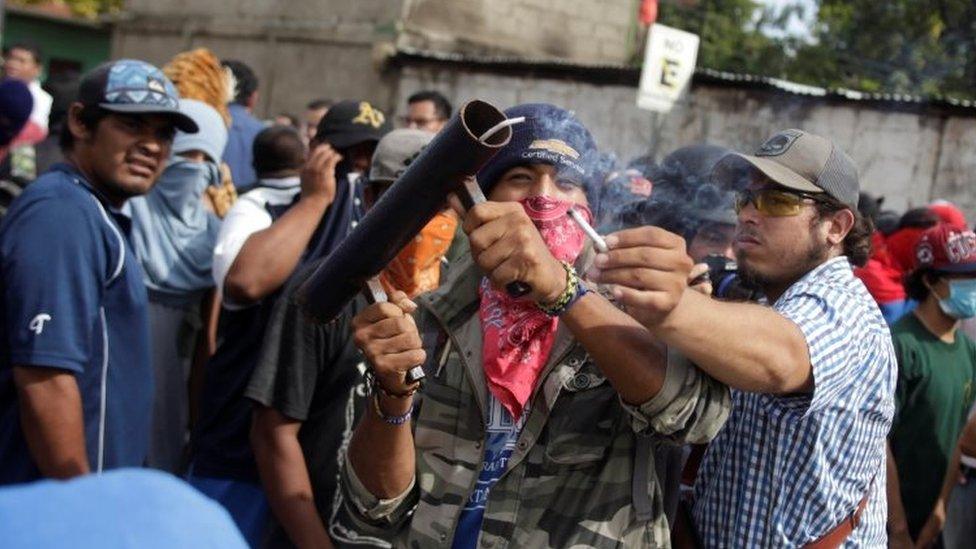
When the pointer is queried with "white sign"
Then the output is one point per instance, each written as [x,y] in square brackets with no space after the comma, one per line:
[669,62]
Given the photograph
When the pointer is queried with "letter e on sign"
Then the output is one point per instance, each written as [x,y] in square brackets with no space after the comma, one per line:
[669,63]
[670,73]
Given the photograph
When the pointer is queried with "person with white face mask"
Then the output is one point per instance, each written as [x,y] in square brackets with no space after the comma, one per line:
[936,383]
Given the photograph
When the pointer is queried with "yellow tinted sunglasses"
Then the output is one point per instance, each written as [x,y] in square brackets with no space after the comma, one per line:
[773,202]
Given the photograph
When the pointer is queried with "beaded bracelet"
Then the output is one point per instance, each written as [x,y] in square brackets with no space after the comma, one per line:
[374,385]
[375,389]
[575,289]
[392,420]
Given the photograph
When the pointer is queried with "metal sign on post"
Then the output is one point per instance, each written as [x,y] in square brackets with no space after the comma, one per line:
[669,62]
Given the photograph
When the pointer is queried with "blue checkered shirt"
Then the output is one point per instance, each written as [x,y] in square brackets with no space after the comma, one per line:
[785,470]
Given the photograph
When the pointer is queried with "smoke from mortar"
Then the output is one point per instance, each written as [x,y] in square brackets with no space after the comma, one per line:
[679,194]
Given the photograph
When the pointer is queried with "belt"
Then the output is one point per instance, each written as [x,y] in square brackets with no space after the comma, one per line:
[836,536]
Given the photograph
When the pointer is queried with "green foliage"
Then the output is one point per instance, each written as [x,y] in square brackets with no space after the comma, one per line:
[84,8]
[902,46]
[735,34]
[925,47]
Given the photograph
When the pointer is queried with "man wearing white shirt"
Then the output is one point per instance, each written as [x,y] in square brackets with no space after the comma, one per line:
[24,62]
[298,212]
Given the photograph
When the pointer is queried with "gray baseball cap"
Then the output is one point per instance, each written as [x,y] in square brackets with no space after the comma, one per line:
[796,160]
[395,151]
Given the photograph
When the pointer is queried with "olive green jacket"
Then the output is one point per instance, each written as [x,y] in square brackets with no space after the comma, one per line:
[582,472]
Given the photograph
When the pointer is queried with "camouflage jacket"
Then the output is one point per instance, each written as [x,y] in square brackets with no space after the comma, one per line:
[582,472]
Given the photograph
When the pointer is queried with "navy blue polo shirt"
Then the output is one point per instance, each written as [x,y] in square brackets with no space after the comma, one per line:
[73,299]
[239,151]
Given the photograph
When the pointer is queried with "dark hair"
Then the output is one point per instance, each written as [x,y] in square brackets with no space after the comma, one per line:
[317,104]
[34,50]
[915,281]
[918,218]
[857,243]
[441,105]
[869,206]
[90,116]
[278,149]
[247,81]
[63,87]
[292,119]
[887,222]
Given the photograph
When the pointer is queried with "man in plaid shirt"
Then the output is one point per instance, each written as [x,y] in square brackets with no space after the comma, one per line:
[800,462]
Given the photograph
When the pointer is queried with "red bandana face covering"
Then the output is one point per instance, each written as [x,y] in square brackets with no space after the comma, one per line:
[517,336]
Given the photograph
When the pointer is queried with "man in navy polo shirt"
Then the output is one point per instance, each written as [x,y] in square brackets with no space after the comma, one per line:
[244,127]
[75,373]
[292,217]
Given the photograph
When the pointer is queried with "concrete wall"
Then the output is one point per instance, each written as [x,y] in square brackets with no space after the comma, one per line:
[910,158]
[304,49]
[298,10]
[591,31]
[300,50]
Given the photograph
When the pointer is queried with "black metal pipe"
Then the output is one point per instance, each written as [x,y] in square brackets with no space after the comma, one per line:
[404,209]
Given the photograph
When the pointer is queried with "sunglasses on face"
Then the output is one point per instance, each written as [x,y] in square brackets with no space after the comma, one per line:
[773,202]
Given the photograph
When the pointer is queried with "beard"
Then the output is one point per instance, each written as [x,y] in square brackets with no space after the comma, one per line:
[815,254]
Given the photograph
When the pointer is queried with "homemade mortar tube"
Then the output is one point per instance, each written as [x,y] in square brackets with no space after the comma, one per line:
[455,154]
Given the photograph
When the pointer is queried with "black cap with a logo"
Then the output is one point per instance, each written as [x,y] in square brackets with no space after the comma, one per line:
[349,123]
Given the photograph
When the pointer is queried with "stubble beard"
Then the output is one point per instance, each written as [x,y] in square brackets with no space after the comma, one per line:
[815,254]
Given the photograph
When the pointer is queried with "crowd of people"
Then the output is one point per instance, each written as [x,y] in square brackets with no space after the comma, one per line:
[754,354]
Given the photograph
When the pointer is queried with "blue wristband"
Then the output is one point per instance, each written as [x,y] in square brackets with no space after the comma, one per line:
[581,290]
[575,289]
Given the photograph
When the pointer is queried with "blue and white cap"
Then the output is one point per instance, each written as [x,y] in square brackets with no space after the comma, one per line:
[134,87]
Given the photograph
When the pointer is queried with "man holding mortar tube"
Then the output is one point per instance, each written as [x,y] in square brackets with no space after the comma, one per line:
[538,419]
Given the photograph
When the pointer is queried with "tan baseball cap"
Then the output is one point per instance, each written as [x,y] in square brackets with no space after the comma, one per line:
[797,160]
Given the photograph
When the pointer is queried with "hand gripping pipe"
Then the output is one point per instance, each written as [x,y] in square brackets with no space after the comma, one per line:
[463,146]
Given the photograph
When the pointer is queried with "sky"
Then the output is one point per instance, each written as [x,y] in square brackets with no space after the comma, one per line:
[797,26]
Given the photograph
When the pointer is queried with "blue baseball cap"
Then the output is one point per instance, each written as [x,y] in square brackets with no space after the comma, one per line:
[131,86]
